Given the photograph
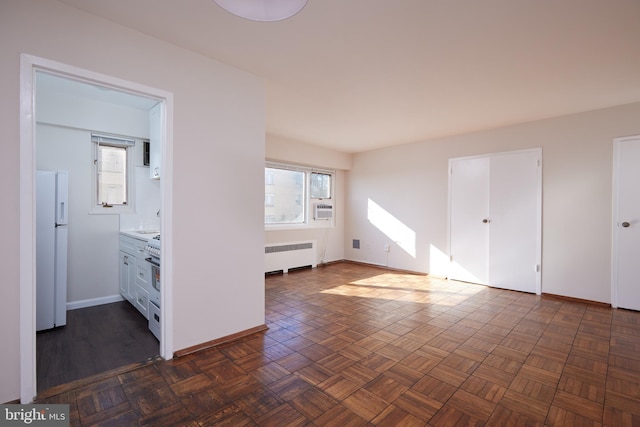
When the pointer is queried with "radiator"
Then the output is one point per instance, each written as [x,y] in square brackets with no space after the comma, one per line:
[286,256]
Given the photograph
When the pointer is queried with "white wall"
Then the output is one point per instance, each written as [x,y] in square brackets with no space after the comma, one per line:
[279,148]
[64,109]
[410,183]
[92,269]
[218,152]
[330,239]
[63,141]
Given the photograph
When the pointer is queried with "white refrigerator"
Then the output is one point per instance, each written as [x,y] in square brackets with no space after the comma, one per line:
[52,206]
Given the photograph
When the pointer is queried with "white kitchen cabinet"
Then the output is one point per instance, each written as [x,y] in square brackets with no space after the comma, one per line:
[143,274]
[135,273]
[142,300]
[155,140]
[143,282]
[127,276]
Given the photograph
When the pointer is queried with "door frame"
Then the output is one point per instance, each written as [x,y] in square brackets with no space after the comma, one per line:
[538,151]
[29,65]
[615,229]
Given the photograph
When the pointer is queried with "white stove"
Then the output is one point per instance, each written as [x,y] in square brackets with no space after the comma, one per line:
[152,248]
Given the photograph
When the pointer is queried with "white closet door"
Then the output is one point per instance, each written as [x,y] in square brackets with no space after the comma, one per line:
[469,207]
[495,220]
[626,224]
[513,261]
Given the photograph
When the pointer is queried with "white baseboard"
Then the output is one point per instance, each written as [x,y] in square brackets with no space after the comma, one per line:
[94,301]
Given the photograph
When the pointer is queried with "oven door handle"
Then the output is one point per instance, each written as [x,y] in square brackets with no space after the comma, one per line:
[152,261]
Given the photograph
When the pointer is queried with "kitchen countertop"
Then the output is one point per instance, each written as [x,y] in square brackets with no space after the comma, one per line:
[140,235]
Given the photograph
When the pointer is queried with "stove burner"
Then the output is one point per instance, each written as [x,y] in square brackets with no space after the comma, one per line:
[153,247]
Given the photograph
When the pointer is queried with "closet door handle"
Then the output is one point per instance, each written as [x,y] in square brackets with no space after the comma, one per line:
[486,221]
[625,224]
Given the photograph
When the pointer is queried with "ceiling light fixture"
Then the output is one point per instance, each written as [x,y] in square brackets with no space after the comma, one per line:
[262,10]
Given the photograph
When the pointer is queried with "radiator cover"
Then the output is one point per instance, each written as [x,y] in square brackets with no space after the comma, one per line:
[289,255]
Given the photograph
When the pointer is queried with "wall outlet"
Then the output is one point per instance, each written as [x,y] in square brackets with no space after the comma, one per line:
[387,248]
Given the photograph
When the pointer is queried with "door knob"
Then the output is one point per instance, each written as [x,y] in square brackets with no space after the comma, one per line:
[485,221]
[625,224]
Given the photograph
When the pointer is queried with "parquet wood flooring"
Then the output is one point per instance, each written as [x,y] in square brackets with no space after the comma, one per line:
[355,345]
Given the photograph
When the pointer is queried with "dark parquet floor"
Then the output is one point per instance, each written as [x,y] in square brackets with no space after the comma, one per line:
[355,345]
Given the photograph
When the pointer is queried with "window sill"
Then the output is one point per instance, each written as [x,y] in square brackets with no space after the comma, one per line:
[114,210]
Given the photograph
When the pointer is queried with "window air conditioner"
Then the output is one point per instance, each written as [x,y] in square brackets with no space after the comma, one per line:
[323,211]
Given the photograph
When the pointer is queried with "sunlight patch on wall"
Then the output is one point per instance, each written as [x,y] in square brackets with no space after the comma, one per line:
[438,262]
[392,227]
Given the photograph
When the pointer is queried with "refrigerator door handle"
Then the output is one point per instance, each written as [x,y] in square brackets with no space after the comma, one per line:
[62,197]
[62,214]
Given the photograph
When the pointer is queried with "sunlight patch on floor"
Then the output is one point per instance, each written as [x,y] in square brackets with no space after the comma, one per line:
[408,288]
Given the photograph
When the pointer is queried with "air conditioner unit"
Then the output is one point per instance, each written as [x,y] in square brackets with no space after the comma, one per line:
[323,211]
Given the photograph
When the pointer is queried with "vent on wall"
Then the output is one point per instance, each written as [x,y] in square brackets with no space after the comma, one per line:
[286,256]
[323,211]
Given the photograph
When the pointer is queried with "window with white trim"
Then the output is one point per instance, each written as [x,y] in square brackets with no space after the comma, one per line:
[112,166]
[320,185]
[291,191]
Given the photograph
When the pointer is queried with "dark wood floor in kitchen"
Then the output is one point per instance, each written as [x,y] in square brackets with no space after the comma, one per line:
[352,345]
[95,339]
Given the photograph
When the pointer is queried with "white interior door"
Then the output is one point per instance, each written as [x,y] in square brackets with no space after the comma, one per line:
[495,220]
[469,207]
[626,224]
[514,201]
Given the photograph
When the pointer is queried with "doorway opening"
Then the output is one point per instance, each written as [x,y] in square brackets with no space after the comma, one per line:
[31,96]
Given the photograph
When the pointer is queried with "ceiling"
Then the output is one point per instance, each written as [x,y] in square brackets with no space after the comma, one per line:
[55,85]
[356,75]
